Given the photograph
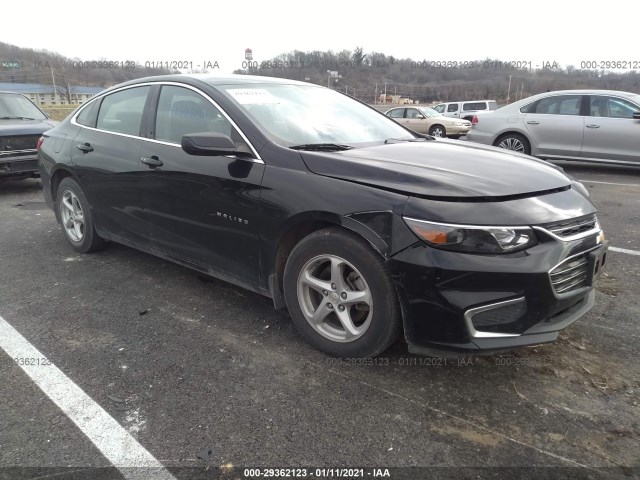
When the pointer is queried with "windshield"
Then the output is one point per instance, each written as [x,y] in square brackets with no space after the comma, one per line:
[305,114]
[16,106]
[429,112]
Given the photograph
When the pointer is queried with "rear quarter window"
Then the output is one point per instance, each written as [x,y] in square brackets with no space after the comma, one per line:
[88,115]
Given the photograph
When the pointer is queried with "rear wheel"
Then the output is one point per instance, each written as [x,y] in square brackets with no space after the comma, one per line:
[340,295]
[438,131]
[74,215]
[515,142]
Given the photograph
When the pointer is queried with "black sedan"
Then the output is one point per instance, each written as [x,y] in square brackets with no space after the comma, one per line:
[21,125]
[363,229]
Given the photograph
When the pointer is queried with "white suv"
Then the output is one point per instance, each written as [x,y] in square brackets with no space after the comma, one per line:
[465,110]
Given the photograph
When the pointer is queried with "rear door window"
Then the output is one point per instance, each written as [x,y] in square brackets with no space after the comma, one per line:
[122,112]
[452,107]
[396,113]
[557,105]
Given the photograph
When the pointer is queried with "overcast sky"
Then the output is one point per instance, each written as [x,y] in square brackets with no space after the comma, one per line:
[567,32]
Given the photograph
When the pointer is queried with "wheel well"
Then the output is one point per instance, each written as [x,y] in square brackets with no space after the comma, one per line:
[57,177]
[502,135]
[289,240]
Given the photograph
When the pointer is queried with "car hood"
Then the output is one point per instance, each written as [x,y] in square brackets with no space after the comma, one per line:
[441,169]
[25,127]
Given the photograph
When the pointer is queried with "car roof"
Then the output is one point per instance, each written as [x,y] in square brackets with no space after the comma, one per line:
[213,79]
[587,92]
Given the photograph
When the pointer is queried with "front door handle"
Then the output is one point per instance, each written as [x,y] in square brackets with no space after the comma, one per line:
[593,125]
[85,147]
[151,161]
[533,122]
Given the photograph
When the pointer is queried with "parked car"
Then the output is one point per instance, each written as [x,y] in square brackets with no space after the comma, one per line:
[586,125]
[465,110]
[21,124]
[427,120]
[360,227]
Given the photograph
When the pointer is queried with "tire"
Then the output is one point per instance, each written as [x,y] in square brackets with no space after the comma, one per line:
[75,217]
[336,276]
[514,142]
[438,131]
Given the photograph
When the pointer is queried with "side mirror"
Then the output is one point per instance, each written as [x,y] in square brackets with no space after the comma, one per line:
[208,143]
[420,116]
[636,115]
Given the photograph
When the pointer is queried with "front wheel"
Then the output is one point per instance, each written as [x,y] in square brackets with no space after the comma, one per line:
[74,215]
[438,131]
[340,295]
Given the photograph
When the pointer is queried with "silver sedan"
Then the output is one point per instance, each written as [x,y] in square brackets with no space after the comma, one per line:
[587,125]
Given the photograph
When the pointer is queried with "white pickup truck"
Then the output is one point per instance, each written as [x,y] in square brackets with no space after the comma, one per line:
[465,110]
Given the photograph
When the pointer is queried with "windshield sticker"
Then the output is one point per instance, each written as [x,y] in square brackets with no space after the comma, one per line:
[250,96]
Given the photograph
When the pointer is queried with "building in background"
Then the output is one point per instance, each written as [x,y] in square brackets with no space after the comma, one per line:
[45,95]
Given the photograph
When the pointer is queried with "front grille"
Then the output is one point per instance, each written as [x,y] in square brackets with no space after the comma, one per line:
[18,142]
[571,274]
[575,226]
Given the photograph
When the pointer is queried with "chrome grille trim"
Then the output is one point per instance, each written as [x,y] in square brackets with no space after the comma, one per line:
[566,276]
[569,230]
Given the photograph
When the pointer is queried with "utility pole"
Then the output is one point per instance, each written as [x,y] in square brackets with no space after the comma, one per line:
[55,90]
[509,90]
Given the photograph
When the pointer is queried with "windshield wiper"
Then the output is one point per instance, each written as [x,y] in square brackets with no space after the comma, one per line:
[16,118]
[322,147]
[396,140]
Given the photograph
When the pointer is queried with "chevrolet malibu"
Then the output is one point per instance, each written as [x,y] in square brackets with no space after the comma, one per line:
[361,228]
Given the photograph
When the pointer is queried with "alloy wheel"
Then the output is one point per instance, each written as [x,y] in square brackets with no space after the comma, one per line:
[72,216]
[511,143]
[335,298]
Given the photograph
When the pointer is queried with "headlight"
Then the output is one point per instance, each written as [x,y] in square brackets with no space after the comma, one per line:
[473,239]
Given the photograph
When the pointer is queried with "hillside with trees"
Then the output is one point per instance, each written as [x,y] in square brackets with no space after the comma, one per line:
[26,65]
[367,75]
[363,75]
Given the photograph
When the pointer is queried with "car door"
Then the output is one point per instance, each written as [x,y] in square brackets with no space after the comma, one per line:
[452,110]
[106,157]
[416,121]
[555,125]
[610,131]
[204,210]
[398,115]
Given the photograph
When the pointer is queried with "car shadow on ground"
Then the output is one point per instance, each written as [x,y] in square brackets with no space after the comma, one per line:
[9,186]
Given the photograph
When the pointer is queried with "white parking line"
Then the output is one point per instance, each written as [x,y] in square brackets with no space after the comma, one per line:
[113,441]
[612,183]
[625,250]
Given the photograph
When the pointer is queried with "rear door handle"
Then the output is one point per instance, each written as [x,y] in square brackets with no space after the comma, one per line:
[533,122]
[85,147]
[593,125]
[151,161]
